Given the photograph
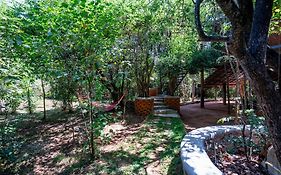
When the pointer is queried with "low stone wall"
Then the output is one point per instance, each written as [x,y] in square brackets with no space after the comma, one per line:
[195,160]
[271,164]
[172,102]
[144,106]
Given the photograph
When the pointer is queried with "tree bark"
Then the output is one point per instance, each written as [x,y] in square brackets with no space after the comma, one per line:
[91,118]
[248,44]
[172,85]
[269,100]
[29,100]
[193,90]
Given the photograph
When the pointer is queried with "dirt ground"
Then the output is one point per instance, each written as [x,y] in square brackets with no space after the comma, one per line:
[56,146]
[59,145]
[195,117]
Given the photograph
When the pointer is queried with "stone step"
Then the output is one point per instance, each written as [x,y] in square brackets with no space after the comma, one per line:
[165,111]
[168,115]
[158,99]
[159,103]
[156,107]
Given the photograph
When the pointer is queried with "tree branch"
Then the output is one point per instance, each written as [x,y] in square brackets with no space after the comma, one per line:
[241,25]
[247,11]
[230,9]
[199,28]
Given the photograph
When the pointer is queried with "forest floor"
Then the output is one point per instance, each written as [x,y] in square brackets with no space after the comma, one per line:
[129,145]
[60,145]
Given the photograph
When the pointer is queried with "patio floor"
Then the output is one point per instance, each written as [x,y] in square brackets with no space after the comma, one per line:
[195,117]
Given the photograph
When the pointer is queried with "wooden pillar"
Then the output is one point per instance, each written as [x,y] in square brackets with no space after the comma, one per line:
[227,88]
[224,93]
[202,105]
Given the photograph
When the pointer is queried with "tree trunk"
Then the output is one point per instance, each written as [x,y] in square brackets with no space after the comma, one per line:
[29,101]
[248,43]
[269,100]
[237,105]
[44,99]
[193,90]
[161,83]
[172,85]
[90,107]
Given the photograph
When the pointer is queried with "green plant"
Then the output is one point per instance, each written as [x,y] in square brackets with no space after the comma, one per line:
[258,134]
[254,136]
[9,146]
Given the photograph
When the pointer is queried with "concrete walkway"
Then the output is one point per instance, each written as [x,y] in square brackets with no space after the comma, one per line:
[195,117]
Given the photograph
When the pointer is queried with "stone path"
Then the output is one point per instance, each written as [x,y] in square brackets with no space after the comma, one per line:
[161,110]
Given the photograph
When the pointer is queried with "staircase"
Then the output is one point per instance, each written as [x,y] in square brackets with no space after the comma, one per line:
[161,110]
[180,78]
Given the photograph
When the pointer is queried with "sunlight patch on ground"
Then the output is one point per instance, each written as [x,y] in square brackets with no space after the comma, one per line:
[56,147]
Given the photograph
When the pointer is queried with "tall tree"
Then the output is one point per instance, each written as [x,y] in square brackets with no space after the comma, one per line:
[247,41]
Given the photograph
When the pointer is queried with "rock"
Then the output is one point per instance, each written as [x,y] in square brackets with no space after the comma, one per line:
[271,163]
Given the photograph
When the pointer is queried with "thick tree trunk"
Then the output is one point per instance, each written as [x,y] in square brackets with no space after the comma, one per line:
[268,98]
[254,66]
[248,44]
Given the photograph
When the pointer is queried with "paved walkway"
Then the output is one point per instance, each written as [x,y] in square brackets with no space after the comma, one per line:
[195,117]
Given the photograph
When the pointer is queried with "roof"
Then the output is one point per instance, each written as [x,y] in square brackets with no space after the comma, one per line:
[221,75]
[224,72]
[274,42]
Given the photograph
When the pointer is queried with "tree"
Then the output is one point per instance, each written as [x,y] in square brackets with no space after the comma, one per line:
[61,43]
[199,62]
[15,77]
[144,34]
[247,41]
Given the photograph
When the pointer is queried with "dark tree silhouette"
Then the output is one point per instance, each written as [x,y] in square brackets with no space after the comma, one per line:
[248,43]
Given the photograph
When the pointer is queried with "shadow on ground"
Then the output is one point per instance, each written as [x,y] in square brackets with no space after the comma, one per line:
[59,145]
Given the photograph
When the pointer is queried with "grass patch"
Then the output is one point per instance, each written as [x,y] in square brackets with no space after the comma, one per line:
[155,146]
[152,147]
